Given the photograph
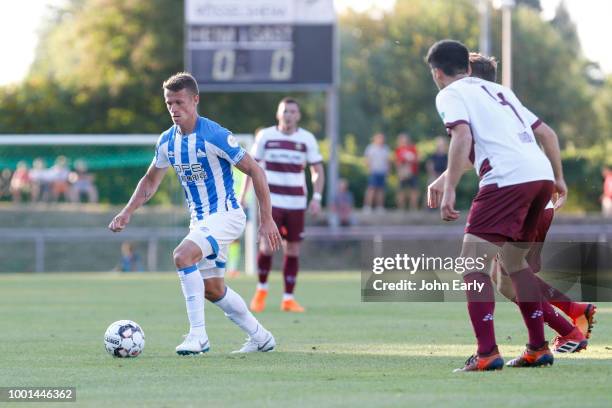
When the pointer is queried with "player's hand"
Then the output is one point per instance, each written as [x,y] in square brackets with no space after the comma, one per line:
[447,206]
[269,232]
[314,207]
[434,192]
[560,194]
[120,221]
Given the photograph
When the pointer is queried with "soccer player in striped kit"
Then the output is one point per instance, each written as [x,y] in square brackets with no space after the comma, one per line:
[283,151]
[202,153]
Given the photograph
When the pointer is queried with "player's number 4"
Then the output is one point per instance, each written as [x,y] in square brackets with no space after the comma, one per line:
[224,65]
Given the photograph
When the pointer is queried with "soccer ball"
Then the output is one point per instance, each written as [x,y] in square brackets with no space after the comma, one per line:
[124,338]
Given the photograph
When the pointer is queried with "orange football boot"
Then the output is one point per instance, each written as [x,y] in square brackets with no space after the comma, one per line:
[291,305]
[573,342]
[258,303]
[582,317]
[533,357]
[483,362]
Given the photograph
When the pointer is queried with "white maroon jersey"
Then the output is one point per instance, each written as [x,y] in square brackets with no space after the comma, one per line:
[504,150]
[283,157]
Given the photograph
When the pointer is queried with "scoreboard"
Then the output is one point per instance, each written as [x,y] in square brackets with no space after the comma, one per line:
[261,44]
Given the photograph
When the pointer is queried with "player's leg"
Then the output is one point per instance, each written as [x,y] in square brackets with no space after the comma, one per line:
[529,300]
[235,309]
[186,257]
[264,265]
[295,230]
[533,198]
[569,338]
[581,314]
[481,305]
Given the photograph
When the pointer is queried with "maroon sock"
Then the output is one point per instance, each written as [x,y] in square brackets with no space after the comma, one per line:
[290,270]
[264,264]
[555,297]
[555,321]
[481,306]
[529,300]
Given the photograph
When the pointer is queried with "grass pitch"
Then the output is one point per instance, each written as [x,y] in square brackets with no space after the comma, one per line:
[340,353]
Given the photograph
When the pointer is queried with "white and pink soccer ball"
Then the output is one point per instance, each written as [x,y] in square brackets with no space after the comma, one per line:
[124,339]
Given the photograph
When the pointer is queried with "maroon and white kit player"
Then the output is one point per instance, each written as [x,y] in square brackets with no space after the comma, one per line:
[571,336]
[284,151]
[491,132]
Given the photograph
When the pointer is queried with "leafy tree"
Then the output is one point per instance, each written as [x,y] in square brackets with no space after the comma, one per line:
[566,27]
[534,4]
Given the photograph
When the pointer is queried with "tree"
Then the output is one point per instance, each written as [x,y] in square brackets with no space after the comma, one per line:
[566,27]
[534,4]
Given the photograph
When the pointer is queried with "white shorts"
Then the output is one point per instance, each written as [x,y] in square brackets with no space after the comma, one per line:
[218,230]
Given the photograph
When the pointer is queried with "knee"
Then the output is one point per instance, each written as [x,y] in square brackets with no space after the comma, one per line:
[182,258]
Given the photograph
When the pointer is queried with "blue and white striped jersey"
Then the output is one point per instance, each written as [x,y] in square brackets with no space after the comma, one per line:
[203,162]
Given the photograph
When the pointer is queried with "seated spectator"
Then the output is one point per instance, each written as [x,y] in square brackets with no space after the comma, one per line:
[5,183]
[82,184]
[59,179]
[342,207]
[20,182]
[407,165]
[130,260]
[40,180]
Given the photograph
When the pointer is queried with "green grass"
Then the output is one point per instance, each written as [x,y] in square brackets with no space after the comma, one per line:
[340,353]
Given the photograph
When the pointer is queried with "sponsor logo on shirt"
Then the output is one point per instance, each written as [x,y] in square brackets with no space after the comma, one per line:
[231,140]
[200,153]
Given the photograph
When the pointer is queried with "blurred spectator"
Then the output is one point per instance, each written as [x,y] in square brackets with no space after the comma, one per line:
[20,182]
[5,183]
[40,180]
[606,198]
[377,157]
[437,162]
[130,260]
[82,184]
[342,207]
[59,179]
[407,165]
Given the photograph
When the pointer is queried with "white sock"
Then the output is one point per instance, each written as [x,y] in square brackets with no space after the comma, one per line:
[287,296]
[193,290]
[236,310]
[262,286]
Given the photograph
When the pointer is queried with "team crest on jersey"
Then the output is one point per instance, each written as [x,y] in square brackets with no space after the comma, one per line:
[231,140]
[170,154]
[299,146]
[200,154]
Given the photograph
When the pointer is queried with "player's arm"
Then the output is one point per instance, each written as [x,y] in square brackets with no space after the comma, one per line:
[317,174]
[458,161]
[147,186]
[267,228]
[549,141]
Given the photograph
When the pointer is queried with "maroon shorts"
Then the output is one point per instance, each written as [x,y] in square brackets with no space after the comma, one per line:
[290,223]
[535,253]
[509,214]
